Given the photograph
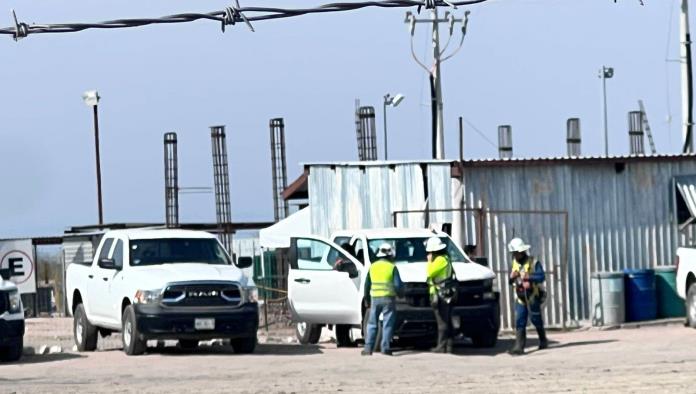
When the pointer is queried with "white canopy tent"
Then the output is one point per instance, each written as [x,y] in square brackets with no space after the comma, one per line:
[279,234]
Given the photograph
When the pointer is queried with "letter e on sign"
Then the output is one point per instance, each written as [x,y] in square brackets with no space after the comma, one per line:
[20,265]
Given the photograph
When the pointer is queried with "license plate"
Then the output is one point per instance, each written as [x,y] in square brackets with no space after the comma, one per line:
[456,322]
[204,324]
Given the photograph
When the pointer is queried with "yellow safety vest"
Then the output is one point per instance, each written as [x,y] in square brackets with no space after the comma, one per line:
[382,279]
[528,267]
[438,270]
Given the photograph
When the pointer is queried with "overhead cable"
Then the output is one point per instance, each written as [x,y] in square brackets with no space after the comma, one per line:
[227,17]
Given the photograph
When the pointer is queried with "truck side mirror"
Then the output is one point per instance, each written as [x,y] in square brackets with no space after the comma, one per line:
[244,262]
[107,264]
[5,274]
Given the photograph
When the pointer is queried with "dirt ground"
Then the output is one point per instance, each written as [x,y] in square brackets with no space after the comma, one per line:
[648,359]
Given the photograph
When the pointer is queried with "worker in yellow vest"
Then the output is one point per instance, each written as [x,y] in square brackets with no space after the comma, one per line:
[527,277]
[383,283]
[442,286]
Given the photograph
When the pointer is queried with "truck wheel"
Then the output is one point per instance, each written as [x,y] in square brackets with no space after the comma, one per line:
[378,337]
[133,345]
[344,337]
[12,352]
[307,333]
[188,344]
[691,306]
[84,332]
[485,339]
[244,345]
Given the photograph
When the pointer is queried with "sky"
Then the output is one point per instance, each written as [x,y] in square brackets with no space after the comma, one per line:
[528,63]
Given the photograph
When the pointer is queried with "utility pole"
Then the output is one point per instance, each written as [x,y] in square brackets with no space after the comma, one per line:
[435,69]
[687,80]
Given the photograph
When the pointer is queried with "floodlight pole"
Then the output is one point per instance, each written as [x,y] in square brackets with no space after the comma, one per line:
[687,80]
[96,148]
[386,102]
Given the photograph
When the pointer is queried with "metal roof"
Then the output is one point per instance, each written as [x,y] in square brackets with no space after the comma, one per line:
[581,159]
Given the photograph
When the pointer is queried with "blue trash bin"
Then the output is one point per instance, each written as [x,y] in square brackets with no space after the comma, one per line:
[641,295]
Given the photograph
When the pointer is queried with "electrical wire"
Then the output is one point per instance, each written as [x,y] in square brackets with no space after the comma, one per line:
[479,132]
[228,16]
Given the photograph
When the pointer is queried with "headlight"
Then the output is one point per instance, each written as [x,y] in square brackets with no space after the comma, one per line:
[491,284]
[15,302]
[147,296]
[251,294]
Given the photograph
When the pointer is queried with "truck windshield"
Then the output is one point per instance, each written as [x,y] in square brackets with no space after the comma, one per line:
[412,250]
[177,250]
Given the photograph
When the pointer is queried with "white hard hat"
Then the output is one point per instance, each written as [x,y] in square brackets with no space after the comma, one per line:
[385,250]
[434,244]
[518,245]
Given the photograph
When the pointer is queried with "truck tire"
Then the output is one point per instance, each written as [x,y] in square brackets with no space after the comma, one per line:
[344,337]
[133,345]
[188,344]
[307,334]
[378,338]
[12,352]
[244,345]
[84,332]
[691,306]
[485,339]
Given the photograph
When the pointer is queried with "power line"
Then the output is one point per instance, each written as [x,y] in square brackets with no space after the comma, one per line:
[228,16]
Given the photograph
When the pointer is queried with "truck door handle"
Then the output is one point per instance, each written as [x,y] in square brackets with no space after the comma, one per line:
[105,279]
[90,276]
[302,280]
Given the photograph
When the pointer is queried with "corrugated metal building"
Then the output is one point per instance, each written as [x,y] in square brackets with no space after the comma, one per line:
[582,215]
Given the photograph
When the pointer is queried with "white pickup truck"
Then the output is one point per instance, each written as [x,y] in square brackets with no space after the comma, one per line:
[321,294]
[11,320]
[162,284]
[686,282]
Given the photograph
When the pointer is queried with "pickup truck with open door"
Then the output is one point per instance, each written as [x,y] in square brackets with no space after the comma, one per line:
[323,293]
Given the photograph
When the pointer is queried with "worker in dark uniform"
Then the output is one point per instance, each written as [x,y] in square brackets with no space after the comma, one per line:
[527,277]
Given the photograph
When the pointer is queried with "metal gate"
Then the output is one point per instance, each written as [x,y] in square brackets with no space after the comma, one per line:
[491,230]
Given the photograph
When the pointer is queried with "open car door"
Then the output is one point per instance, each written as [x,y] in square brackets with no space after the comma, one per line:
[324,283]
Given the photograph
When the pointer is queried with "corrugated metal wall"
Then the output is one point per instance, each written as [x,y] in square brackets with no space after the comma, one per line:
[345,196]
[620,216]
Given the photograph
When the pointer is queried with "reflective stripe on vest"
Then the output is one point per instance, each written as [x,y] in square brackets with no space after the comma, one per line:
[382,278]
[526,267]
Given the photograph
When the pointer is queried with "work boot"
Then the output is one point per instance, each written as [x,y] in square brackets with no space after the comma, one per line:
[543,341]
[387,353]
[520,342]
[365,353]
[449,346]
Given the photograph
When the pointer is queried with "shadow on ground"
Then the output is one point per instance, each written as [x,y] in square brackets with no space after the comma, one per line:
[465,348]
[261,350]
[44,358]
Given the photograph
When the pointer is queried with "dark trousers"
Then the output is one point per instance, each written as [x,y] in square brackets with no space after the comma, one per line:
[532,313]
[443,317]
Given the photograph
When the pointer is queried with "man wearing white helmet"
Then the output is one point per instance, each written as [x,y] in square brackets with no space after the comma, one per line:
[443,291]
[527,276]
[383,283]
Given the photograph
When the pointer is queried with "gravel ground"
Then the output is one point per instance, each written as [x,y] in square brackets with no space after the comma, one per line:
[648,359]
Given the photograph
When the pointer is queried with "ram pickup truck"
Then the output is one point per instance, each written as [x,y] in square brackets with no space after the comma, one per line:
[686,282]
[324,293]
[162,284]
[11,320]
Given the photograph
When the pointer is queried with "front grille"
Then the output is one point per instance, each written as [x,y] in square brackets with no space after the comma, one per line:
[469,293]
[202,295]
[4,302]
